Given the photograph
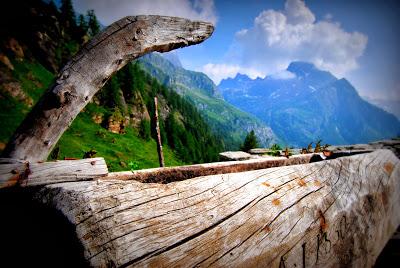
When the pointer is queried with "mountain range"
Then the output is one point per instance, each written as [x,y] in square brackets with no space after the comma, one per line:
[294,109]
[226,121]
[390,105]
[309,104]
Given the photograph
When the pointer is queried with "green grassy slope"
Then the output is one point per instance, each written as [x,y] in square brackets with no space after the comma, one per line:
[33,79]
[118,149]
[83,135]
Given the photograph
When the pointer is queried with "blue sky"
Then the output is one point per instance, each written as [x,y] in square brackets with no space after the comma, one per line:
[359,40]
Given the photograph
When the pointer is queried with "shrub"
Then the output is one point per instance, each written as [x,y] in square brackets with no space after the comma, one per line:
[276,147]
[134,165]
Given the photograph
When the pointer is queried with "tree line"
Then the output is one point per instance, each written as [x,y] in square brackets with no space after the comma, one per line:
[183,129]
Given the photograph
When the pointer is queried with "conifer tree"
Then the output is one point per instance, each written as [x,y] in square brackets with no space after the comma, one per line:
[82,23]
[53,7]
[68,14]
[144,129]
[250,142]
[93,23]
[81,34]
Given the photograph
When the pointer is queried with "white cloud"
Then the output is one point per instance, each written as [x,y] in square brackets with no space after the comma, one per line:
[217,72]
[297,12]
[284,74]
[109,11]
[279,37]
[328,16]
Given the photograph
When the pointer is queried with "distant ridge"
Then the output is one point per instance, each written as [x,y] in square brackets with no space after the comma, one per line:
[311,105]
[228,122]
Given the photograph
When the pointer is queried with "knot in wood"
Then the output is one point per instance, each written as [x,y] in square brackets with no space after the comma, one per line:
[64,75]
[137,34]
[64,94]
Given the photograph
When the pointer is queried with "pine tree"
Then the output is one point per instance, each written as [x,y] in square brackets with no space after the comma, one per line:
[80,33]
[68,14]
[144,129]
[110,94]
[93,23]
[53,8]
[82,23]
[171,127]
[250,142]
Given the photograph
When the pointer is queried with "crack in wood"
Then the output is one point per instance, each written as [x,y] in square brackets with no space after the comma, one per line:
[229,219]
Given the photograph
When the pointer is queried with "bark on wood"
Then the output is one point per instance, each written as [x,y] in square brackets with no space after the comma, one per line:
[170,174]
[23,173]
[121,42]
[159,144]
[337,213]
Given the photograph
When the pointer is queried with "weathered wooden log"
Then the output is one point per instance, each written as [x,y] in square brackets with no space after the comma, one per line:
[391,144]
[234,156]
[158,140]
[121,42]
[23,173]
[170,174]
[336,213]
[260,151]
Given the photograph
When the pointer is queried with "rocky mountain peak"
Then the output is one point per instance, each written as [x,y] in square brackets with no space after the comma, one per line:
[301,67]
[313,105]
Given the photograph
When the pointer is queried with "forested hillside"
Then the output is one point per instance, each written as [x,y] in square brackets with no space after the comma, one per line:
[230,123]
[118,123]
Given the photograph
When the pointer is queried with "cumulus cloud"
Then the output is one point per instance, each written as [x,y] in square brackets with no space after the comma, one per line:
[328,16]
[279,37]
[284,74]
[217,72]
[109,11]
[297,13]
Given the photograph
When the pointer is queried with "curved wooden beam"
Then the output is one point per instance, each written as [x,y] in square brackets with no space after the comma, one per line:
[88,71]
[336,213]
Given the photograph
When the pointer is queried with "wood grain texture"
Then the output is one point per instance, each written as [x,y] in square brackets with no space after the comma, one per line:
[88,71]
[336,213]
[15,172]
